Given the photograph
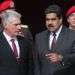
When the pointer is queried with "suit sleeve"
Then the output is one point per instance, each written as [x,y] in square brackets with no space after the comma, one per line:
[37,63]
[30,59]
[70,56]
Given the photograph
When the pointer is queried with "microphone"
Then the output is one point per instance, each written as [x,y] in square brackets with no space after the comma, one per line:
[24,26]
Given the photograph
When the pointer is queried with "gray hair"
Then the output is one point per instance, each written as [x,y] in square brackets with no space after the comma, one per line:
[8,15]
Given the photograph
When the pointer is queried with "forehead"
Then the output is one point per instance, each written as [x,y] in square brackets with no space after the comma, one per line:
[15,21]
[72,14]
[51,15]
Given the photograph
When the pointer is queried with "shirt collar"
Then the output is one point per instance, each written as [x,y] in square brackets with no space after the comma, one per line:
[59,30]
[8,37]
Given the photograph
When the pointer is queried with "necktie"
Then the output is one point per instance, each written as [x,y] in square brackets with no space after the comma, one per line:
[53,42]
[14,48]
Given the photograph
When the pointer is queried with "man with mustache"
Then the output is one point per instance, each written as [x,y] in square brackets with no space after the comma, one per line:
[55,47]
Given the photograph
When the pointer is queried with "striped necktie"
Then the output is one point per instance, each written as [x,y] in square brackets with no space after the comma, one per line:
[14,48]
[53,42]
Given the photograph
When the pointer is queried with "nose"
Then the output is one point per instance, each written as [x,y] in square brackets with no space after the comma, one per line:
[19,27]
[50,21]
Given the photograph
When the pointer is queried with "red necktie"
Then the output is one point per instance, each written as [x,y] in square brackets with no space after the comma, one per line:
[14,48]
[53,42]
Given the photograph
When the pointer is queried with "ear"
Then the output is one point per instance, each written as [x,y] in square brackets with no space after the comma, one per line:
[61,20]
[68,19]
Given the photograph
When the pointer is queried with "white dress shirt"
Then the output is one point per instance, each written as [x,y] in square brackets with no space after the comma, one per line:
[51,36]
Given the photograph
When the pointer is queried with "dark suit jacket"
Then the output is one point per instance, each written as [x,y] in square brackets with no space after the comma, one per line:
[8,63]
[65,46]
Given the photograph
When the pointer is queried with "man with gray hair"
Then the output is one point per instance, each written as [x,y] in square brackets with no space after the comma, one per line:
[10,5]
[15,50]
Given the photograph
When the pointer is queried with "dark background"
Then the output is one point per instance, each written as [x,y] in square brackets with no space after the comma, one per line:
[33,12]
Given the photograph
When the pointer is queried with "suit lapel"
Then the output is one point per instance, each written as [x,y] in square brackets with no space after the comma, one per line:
[61,39]
[22,47]
[45,42]
[6,49]
[46,39]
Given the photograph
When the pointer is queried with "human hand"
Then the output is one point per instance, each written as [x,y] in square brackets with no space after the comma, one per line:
[54,57]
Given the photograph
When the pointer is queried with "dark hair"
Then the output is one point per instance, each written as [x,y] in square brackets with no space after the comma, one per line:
[54,9]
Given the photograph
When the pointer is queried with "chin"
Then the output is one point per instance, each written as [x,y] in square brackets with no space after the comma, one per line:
[51,29]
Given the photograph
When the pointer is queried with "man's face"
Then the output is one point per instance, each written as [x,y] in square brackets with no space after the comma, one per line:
[71,20]
[53,22]
[13,28]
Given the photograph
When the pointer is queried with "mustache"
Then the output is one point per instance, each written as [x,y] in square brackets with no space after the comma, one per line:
[50,25]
